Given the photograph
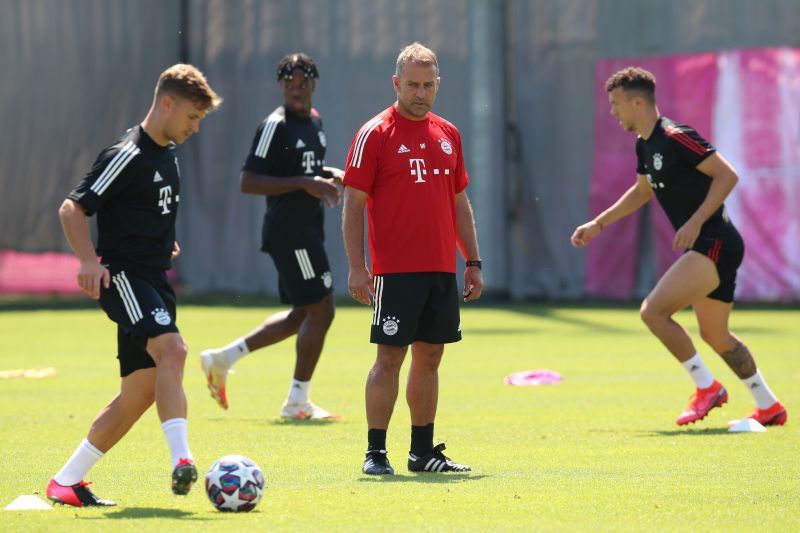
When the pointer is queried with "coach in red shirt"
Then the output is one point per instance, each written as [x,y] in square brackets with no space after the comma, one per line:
[406,165]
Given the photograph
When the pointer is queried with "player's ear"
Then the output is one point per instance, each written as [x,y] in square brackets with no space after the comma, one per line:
[396,82]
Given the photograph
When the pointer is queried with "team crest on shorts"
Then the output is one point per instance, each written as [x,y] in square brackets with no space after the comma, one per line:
[391,325]
[327,279]
[161,316]
[446,146]
[657,161]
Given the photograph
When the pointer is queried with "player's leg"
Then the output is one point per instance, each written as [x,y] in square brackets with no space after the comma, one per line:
[310,341]
[306,283]
[383,382]
[712,318]
[439,323]
[137,393]
[688,281]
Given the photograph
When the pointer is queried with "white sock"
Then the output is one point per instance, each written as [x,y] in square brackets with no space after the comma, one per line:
[79,464]
[698,371]
[298,392]
[760,391]
[236,350]
[175,431]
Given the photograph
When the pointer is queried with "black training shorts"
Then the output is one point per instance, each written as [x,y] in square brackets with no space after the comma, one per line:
[143,306]
[416,306]
[726,249]
[304,276]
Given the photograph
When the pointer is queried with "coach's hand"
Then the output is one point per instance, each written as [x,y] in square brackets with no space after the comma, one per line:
[176,250]
[324,189]
[473,283]
[359,283]
[90,275]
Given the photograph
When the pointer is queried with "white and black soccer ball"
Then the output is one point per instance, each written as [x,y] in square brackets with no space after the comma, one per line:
[234,483]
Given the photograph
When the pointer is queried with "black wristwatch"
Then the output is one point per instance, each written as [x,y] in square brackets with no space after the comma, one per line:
[477,263]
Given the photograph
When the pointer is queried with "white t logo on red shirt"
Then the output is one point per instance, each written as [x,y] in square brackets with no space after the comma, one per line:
[418,169]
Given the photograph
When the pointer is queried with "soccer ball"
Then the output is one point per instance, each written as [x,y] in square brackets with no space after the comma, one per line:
[234,483]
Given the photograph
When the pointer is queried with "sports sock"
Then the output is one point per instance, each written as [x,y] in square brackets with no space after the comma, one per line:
[376,439]
[760,391]
[422,439]
[698,371]
[79,464]
[236,350]
[298,391]
[175,429]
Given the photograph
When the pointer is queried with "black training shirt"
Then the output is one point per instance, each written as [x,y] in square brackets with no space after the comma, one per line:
[287,145]
[133,187]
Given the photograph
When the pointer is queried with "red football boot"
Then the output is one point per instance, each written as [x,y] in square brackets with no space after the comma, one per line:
[702,401]
[77,495]
[774,415]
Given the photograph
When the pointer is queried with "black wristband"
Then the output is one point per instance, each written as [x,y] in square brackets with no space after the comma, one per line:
[477,263]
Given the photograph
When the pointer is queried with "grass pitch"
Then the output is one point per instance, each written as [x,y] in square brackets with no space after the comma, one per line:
[599,452]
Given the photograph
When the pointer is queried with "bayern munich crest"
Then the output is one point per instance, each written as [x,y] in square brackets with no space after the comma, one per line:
[322,140]
[446,147]
[161,316]
[327,279]
[391,325]
[657,161]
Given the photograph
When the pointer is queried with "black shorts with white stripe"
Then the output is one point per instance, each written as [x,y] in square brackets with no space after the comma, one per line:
[142,303]
[304,275]
[415,306]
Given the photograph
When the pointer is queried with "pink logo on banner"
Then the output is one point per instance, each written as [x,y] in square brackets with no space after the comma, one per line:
[747,104]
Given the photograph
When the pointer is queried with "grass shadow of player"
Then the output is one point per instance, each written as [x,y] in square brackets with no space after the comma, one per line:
[423,477]
[687,432]
[306,422]
[149,512]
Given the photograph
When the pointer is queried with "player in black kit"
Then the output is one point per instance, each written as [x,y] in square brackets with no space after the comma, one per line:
[691,181]
[286,164]
[133,187]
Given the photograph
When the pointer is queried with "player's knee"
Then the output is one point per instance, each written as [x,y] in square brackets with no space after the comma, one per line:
[720,341]
[650,314]
[172,354]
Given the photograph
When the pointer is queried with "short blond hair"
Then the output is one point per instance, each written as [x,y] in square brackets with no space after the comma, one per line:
[416,53]
[186,81]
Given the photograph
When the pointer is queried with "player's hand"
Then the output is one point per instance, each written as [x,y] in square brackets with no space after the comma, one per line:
[90,275]
[176,250]
[359,283]
[323,188]
[473,283]
[585,233]
[686,235]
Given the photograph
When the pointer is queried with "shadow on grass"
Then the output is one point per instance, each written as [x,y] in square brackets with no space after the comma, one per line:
[148,512]
[301,423]
[423,477]
[689,432]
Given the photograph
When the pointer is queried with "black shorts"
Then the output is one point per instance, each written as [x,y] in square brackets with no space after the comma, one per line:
[143,306]
[304,275]
[726,249]
[416,306]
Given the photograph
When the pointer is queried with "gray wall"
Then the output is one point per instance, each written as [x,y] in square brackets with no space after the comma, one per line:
[517,79]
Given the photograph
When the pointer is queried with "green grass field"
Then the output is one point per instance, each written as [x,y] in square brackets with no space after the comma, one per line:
[599,452]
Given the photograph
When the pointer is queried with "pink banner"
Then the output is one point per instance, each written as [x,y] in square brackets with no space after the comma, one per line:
[746,103]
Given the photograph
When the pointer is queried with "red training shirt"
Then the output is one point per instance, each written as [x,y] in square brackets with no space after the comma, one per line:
[411,171]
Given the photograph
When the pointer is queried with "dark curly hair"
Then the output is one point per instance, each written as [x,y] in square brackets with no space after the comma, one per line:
[288,64]
[634,79]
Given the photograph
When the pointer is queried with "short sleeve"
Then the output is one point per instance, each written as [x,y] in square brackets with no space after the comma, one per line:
[640,167]
[107,176]
[691,148]
[460,176]
[267,147]
[362,159]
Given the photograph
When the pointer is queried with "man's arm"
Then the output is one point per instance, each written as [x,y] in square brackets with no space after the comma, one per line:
[723,180]
[631,200]
[317,186]
[76,230]
[359,280]
[467,241]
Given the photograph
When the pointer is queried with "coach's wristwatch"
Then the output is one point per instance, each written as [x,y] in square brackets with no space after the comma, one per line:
[477,263]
